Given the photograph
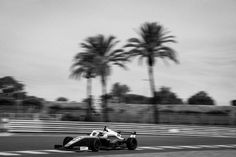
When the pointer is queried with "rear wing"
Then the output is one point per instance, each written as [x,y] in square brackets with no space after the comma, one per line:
[132,134]
[119,132]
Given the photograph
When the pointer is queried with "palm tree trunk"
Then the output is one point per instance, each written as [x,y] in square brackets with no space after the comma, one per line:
[89,98]
[104,99]
[153,91]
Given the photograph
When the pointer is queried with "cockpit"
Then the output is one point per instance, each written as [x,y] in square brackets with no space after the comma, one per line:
[106,133]
[97,133]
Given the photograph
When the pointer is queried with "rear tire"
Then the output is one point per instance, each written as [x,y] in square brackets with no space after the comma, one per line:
[132,143]
[95,145]
[67,140]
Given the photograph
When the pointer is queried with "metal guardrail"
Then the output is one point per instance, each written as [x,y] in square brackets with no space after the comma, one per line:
[38,126]
[29,116]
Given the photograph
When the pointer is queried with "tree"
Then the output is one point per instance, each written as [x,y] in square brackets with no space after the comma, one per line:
[5,101]
[11,87]
[83,66]
[165,96]
[151,45]
[136,99]
[201,98]
[10,82]
[33,103]
[233,102]
[12,93]
[105,55]
[118,90]
[61,99]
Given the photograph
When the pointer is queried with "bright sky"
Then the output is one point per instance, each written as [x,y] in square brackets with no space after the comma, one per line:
[38,39]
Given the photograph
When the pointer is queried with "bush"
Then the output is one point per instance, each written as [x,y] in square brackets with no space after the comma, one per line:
[61,99]
[201,98]
[70,117]
[217,112]
[32,102]
[109,109]
[122,110]
[183,111]
[233,102]
[7,102]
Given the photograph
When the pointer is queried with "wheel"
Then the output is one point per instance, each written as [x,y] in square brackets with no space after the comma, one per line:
[132,143]
[66,140]
[114,144]
[95,145]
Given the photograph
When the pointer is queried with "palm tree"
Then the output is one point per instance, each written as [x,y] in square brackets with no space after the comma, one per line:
[105,55]
[83,67]
[150,45]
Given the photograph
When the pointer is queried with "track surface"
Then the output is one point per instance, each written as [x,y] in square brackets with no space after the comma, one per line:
[42,145]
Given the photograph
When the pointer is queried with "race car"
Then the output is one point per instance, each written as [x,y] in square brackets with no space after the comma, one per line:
[100,139]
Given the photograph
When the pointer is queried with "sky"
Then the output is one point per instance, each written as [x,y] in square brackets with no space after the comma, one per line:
[39,38]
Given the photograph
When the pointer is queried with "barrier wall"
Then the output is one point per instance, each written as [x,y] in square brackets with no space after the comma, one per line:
[69,127]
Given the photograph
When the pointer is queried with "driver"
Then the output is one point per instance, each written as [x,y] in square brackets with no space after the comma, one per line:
[108,132]
[102,135]
[105,129]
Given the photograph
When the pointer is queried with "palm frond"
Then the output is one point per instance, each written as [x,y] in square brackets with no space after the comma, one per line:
[164,37]
[132,45]
[134,40]
[83,66]
[83,56]
[111,42]
[120,65]
[153,36]
[119,59]
[168,52]
[77,73]
[115,52]
[117,56]
[86,45]
[91,41]
[168,41]
[100,52]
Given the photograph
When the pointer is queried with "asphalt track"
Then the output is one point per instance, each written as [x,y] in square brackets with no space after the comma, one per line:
[25,144]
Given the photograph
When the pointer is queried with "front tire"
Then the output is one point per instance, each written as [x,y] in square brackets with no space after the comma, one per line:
[67,140]
[132,143]
[95,145]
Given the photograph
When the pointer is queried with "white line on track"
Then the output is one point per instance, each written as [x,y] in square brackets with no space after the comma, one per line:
[8,154]
[31,152]
[191,147]
[6,134]
[160,148]
[208,146]
[58,151]
[170,147]
[153,148]
[226,146]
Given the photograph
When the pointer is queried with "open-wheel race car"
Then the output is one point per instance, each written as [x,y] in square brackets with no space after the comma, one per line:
[100,139]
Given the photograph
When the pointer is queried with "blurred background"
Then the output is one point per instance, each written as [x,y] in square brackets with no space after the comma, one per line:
[154,62]
[15,103]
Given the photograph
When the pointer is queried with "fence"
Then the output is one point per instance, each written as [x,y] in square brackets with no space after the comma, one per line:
[137,113]
[175,114]
[38,126]
[30,116]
